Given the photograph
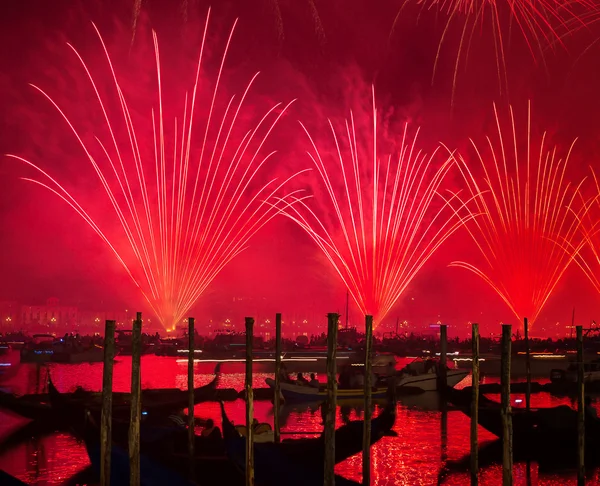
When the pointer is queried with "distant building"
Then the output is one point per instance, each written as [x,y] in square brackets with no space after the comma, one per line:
[9,315]
[95,320]
[50,316]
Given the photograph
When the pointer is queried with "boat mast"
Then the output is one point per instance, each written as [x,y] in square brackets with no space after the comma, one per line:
[347,306]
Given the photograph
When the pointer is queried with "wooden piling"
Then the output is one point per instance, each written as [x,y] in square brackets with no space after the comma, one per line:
[40,387]
[580,410]
[475,404]
[249,403]
[443,430]
[366,453]
[106,414]
[331,403]
[277,398]
[527,365]
[507,456]
[191,423]
[136,402]
[443,382]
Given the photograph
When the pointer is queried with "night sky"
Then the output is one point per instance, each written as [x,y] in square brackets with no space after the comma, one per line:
[325,54]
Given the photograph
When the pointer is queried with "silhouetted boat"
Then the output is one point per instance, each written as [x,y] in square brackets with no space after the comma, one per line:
[163,452]
[272,466]
[39,350]
[124,343]
[423,376]
[175,348]
[34,407]
[8,480]
[296,391]
[151,472]
[156,402]
[66,354]
[564,381]
[546,435]
[300,461]
[59,408]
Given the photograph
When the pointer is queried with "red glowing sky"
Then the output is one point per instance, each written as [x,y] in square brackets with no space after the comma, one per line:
[328,65]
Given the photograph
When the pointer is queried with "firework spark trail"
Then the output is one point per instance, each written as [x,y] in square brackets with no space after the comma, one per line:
[387,219]
[180,238]
[528,228]
[587,254]
[541,23]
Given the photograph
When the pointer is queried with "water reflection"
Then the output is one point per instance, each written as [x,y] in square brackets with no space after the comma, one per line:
[431,447]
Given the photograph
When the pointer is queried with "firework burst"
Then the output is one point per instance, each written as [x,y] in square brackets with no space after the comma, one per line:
[188,210]
[541,23]
[587,254]
[382,218]
[528,217]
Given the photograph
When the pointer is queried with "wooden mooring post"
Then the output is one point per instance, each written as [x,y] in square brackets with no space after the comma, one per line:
[580,410]
[190,384]
[249,403]
[136,402]
[366,453]
[277,391]
[527,364]
[331,403]
[106,414]
[443,382]
[507,456]
[474,404]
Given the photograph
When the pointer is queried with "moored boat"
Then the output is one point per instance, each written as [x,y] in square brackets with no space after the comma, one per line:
[297,391]
[307,455]
[27,406]
[39,350]
[300,461]
[565,381]
[8,480]
[154,402]
[175,348]
[547,435]
[423,376]
[93,354]
[151,472]
[540,363]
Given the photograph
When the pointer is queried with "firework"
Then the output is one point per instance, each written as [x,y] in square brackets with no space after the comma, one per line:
[529,217]
[186,212]
[541,23]
[381,218]
[587,254]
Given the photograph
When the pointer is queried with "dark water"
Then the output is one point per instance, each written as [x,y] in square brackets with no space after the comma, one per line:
[429,442]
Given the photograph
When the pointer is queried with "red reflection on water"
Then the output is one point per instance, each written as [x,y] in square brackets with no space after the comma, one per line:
[417,456]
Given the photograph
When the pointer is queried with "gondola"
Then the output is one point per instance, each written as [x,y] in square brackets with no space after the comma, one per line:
[348,438]
[151,472]
[155,403]
[300,461]
[56,407]
[27,406]
[163,454]
[8,480]
[546,435]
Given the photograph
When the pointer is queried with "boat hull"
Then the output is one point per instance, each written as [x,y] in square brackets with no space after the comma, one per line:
[429,381]
[36,355]
[541,364]
[92,355]
[304,393]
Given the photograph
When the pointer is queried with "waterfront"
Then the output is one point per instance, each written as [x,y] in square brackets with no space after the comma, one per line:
[421,454]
